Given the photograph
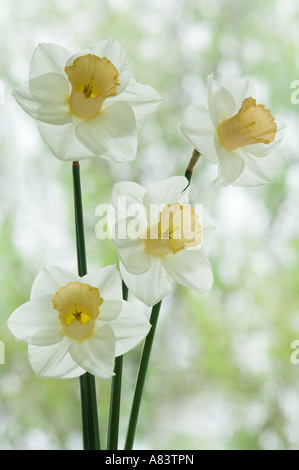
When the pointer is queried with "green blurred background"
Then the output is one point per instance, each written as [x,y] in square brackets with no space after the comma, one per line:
[220,376]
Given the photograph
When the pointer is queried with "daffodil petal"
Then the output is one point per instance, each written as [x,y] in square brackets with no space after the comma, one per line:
[143,99]
[149,287]
[97,353]
[48,58]
[221,102]
[191,269]
[63,141]
[132,227]
[109,283]
[112,134]
[124,195]
[130,193]
[167,191]
[107,280]
[184,199]
[45,98]
[54,361]
[36,322]
[198,128]
[50,279]
[127,336]
[112,50]
[131,251]
[50,87]
[211,106]
[110,309]
[240,89]
[230,168]
[257,171]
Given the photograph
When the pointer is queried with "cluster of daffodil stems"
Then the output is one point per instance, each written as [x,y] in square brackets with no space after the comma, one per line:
[90,425]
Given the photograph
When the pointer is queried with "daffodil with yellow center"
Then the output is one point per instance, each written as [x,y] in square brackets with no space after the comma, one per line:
[74,325]
[93,79]
[87,104]
[172,241]
[235,133]
[178,229]
[78,306]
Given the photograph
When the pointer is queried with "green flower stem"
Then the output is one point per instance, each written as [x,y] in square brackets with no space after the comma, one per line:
[189,170]
[90,425]
[113,429]
[141,377]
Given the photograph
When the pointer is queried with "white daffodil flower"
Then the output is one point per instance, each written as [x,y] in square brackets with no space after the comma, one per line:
[76,324]
[159,237]
[87,104]
[235,133]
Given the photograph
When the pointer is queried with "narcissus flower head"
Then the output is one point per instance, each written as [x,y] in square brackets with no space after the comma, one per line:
[160,237]
[86,104]
[234,132]
[74,325]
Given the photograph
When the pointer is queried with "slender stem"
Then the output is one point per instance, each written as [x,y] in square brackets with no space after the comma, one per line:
[90,426]
[141,377]
[80,238]
[189,170]
[113,428]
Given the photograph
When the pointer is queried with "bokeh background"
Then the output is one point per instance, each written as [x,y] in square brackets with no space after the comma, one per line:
[220,376]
